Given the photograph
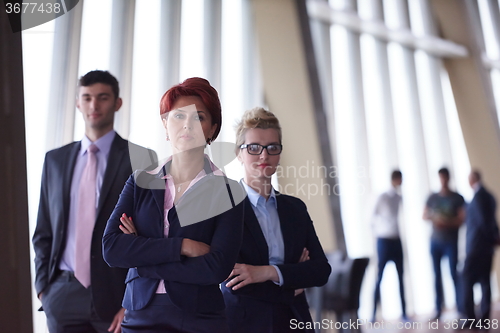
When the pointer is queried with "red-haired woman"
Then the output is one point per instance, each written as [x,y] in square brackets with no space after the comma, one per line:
[178,229]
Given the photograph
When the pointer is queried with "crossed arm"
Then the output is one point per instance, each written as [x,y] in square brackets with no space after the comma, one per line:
[189,248]
[175,259]
[243,274]
[442,222]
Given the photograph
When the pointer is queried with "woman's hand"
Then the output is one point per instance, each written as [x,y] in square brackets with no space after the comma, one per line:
[192,248]
[246,274]
[189,248]
[304,257]
[116,324]
[127,226]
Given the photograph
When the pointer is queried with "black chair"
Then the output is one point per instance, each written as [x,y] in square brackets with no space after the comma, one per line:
[341,293]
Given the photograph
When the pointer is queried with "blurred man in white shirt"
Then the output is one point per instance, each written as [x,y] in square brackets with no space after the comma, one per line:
[386,230]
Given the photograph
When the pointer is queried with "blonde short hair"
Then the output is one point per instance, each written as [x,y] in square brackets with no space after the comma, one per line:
[255,118]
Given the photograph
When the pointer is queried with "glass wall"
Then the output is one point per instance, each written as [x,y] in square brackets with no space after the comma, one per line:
[392,108]
[387,95]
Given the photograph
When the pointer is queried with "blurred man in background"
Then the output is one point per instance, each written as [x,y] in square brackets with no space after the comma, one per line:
[482,237]
[386,229]
[446,210]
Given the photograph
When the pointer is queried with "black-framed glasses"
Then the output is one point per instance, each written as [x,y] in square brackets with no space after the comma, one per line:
[256,149]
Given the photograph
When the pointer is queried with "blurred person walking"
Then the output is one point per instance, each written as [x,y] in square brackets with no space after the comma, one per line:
[386,228]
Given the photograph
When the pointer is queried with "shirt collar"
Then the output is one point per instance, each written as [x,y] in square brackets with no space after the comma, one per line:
[392,191]
[211,166]
[254,197]
[200,174]
[103,143]
[159,170]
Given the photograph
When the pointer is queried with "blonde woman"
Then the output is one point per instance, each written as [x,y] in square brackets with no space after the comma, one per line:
[280,254]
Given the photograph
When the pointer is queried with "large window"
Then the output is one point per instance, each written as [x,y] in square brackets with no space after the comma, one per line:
[387,95]
[391,107]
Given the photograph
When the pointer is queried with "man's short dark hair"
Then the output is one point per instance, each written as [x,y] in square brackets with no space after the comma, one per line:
[103,77]
[444,172]
[396,174]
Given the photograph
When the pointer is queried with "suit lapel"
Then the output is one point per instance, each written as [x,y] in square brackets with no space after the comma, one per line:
[481,190]
[253,226]
[157,187]
[68,177]
[159,196]
[476,196]
[287,224]
[116,159]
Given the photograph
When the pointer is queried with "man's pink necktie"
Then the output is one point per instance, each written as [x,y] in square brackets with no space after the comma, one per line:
[85,219]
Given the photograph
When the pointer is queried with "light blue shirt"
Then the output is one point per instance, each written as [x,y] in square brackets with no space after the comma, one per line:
[104,145]
[266,212]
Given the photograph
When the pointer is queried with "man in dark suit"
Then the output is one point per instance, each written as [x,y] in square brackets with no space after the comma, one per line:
[81,183]
[482,236]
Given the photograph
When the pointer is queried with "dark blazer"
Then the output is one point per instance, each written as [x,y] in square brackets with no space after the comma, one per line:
[249,309]
[482,229]
[49,238]
[191,283]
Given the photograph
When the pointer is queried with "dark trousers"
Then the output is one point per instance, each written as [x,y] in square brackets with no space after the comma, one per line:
[161,315]
[477,269]
[252,315]
[282,317]
[389,249]
[440,249]
[69,307]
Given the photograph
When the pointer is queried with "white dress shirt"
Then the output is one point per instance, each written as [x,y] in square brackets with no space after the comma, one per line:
[385,215]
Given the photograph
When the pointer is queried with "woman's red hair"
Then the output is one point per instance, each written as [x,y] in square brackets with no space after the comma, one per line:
[195,86]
